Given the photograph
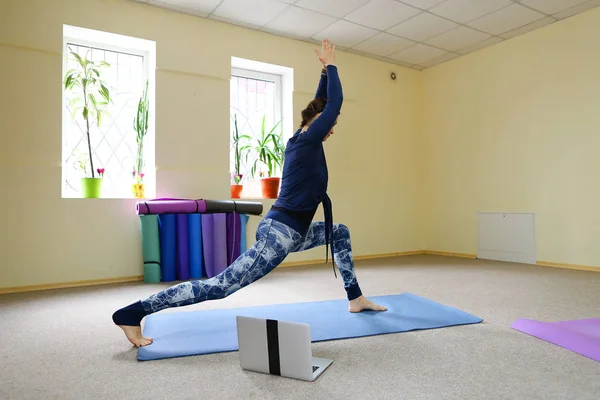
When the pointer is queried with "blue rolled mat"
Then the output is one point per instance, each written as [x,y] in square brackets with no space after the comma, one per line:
[150,248]
[168,247]
[195,245]
[183,248]
[207,245]
[178,334]
[219,243]
[244,220]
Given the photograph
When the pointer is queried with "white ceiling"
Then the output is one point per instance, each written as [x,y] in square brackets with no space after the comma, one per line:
[412,33]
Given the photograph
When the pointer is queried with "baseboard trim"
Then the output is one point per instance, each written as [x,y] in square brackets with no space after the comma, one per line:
[125,279]
[568,266]
[449,254]
[64,285]
[540,263]
[356,258]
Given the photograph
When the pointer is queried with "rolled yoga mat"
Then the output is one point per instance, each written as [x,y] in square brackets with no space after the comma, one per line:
[242,207]
[207,245]
[167,224]
[183,248]
[170,206]
[177,334]
[243,233]
[195,245]
[150,248]
[234,230]
[219,243]
[581,336]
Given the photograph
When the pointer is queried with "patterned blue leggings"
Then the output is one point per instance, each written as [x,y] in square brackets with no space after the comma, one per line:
[274,241]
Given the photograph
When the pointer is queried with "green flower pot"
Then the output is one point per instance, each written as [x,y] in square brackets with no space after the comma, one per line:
[91,188]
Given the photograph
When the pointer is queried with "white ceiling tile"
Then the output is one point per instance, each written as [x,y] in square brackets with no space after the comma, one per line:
[154,3]
[439,60]
[479,45]
[423,4]
[336,8]
[528,28]
[160,4]
[236,23]
[506,19]
[417,54]
[457,38]
[383,44]
[552,6]
[382,14]
[345,34]
[255,12]
[201,6]
[312,22]
[422,27]
[463,11]
[577,9]
[380,58]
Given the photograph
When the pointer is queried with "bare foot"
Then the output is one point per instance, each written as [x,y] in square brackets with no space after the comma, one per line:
[134,334]
[362,303]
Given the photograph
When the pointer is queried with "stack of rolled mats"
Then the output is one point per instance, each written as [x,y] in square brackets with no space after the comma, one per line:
[186,239]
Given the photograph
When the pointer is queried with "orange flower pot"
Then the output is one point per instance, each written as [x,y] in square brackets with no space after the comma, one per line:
[270,187]
[236,191]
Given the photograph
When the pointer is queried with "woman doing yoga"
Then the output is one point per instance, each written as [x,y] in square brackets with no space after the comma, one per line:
[287,227]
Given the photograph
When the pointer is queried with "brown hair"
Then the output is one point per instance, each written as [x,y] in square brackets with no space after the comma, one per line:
[314,107]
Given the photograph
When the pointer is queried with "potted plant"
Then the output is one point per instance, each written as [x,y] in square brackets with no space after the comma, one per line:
[238,152]
[140,125]
[91,97]
[270,150]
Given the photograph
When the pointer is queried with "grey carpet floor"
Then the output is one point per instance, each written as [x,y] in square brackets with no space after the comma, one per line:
[61,344]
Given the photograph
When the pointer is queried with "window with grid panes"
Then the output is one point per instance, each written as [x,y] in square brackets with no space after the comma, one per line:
[113,143]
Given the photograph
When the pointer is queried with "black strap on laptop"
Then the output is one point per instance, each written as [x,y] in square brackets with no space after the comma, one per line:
[273,346]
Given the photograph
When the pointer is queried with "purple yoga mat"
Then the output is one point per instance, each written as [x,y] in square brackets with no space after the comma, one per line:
[220,243]
[214,242]
[207,244]
[581,336]
[170,206]
[183,248]
[234,230]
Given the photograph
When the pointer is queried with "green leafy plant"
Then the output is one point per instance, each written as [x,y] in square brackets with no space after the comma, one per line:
[269,149]
[239,151]
[91,94]
[140,124]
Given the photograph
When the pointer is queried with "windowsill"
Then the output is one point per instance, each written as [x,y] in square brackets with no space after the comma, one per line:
[253,198]
[253,191]
[148,195]
[108,198]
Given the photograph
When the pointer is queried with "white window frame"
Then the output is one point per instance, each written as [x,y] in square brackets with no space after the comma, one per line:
[149,64]
[264,76]
[283,78]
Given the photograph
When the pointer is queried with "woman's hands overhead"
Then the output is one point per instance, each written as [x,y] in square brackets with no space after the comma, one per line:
[327,54]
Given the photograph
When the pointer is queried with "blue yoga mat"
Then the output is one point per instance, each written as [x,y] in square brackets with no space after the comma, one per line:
[167,224]
[195,245]
[178,334]
[244,219]
[183,248]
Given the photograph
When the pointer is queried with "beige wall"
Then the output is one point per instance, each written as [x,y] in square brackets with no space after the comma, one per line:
[47,239]
[435,145]
[516,128]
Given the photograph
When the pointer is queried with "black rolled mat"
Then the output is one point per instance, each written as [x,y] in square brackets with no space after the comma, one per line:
[242,207]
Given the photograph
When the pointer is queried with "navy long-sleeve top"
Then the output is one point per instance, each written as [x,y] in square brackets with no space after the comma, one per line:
[305,176]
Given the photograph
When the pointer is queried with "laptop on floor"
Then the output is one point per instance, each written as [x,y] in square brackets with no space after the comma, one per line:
[278,348]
